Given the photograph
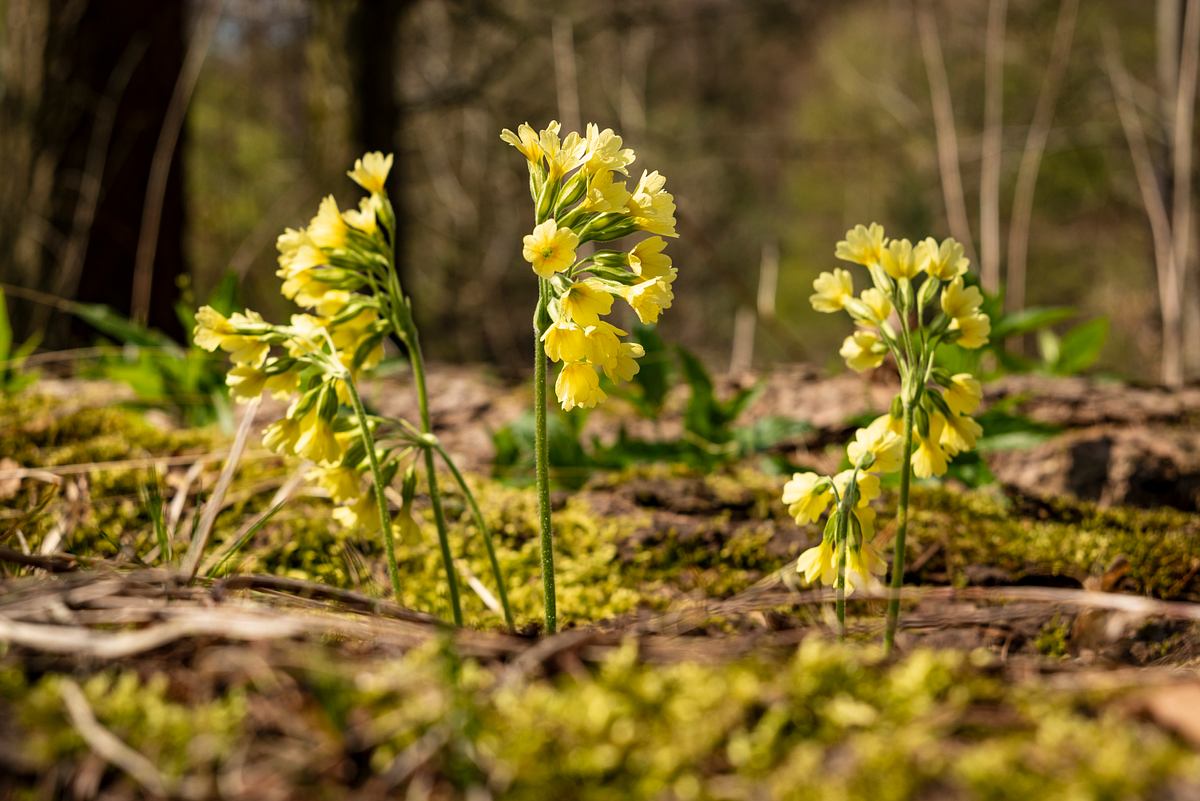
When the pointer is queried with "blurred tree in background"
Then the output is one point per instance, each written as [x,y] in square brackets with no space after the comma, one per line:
[779,124]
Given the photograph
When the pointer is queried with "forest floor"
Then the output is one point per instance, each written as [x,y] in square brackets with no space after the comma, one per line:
[1049,644]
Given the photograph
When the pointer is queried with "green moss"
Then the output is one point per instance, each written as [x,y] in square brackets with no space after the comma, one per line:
[1052,639]
[178,737]
[825,722]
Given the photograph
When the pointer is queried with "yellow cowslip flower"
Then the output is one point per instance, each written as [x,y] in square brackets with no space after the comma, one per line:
[878,305]
[964,393]
[308,335]
[866,520]
[868,486]
[884,446]
[974,330]
[819,562]
[341,482]
[361,514]
[298,257]
[862,245]
[281,435]
[327,229]
[959,434]
[625,366]
[807,496]
[334,302]
[604,151]
[832,291]
[652,206]
[578,385]
[944,262]
[649,298]
[563,155]
[289,242]
[603,343]
[526,140]
[899,261]
[959,300]
[213,330]
[584,302]
[316,441]
[247,382]
[884,423]
[550,249]
[863,564]
[305,289]
[648,260]
[604,193]
[363,218]
[928,458]
[371,171]
[565,341]
[863,350]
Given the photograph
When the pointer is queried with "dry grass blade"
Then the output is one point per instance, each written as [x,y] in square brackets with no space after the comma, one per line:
[107,745]
[239,540]
[191,562]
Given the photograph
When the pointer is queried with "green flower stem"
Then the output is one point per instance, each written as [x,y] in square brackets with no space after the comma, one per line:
[385,519]
[893,610]
[483,528]
[406,330]
[435,495]
[842,531]
[542,453]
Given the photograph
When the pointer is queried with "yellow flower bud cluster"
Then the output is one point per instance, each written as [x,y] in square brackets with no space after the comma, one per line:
[580,188]
[329,269]
[918,300]
[809,495]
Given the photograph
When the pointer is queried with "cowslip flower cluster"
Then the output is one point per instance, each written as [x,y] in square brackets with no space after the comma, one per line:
[580,188]
[325,268]
[918,301]
[921,289]
[341,269]
[846,557]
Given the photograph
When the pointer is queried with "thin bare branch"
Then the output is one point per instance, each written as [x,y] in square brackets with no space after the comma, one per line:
[1031,158]
[1169,287]
[164,155]
[107,745]
[993,146]
[944,127]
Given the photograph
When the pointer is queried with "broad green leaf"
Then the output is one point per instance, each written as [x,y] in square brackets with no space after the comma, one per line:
[1080,347]
[1027,321]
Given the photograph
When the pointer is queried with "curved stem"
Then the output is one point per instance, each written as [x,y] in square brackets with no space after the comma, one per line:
[406,330]
[483,528]
[385,520]
[893,610]
[435,495]
[542,455]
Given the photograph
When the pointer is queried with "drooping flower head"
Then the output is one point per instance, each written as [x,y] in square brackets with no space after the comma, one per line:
[580,187]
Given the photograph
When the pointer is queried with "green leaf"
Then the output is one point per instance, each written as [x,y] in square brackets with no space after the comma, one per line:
[701,413]
[1027,321]
[6,333]
[110,323]
[1080,347]
[654,378]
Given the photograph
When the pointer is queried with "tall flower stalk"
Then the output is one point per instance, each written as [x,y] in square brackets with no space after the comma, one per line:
[918,302]
[341,268]
[579,187]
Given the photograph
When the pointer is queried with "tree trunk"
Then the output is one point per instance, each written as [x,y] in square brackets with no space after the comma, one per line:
[109,72]
[373,33]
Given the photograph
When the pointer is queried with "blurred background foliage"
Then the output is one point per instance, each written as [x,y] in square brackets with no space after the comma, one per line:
[779,124]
